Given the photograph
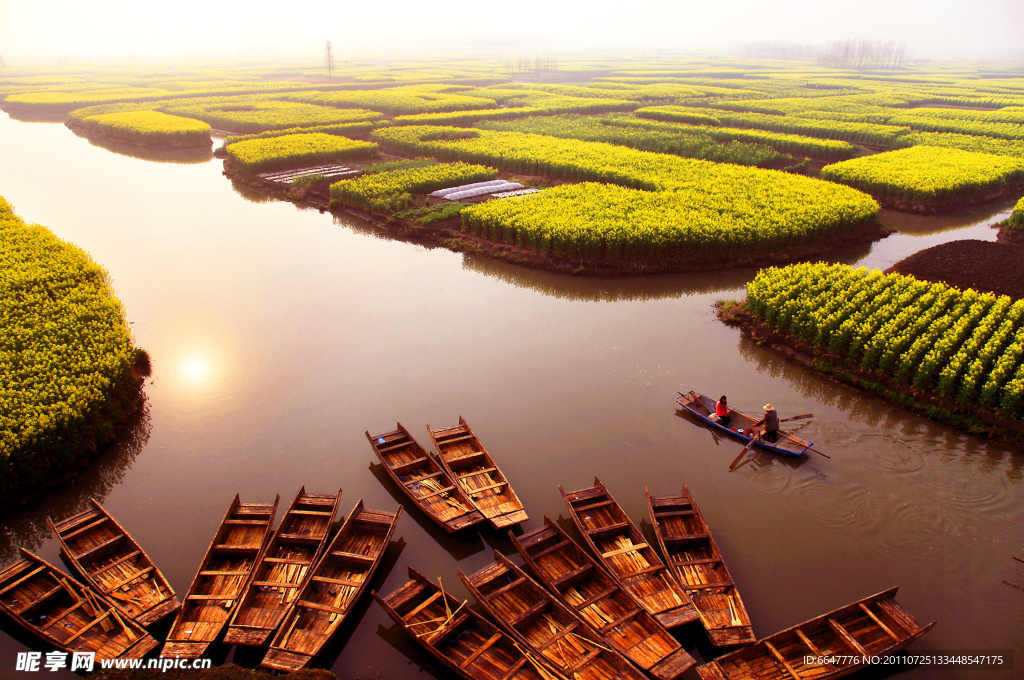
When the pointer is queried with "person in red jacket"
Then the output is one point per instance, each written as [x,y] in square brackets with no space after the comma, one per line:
[722,412]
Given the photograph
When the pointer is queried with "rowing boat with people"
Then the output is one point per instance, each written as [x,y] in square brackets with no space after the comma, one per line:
[742,426]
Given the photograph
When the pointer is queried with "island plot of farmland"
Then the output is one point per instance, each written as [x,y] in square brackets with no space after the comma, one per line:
[917,341]
[653,205]
[618,159]
[685,165]
[68,367]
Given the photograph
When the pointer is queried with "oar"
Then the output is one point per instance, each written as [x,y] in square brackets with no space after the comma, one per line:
[819,453]
[745,449]
[806,415]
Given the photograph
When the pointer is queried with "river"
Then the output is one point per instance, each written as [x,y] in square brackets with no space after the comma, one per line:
[279,335]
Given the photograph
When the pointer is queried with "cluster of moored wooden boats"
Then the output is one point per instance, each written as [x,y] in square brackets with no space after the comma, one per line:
[574,613]
[291,588]
[602,613]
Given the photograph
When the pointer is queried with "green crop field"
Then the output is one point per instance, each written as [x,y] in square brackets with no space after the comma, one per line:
[867,133]
[797,145]
[960,345]
[686,143]
[636,124]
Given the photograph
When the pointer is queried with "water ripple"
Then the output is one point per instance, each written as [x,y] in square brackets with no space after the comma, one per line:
[890,453]
[834,502]
[772,477]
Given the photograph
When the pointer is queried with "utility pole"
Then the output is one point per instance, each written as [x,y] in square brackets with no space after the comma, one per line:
[329,58]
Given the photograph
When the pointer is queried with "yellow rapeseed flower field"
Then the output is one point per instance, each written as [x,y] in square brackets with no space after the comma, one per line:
[961,345]
[926,174]
[294,151]
[150,127]
[64,348]
[684,207]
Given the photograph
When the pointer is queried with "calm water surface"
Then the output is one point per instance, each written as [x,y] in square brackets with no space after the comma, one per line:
[279,335]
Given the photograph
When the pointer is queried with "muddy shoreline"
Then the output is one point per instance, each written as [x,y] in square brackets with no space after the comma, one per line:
[1008,234]
[952,205]
[449,234]
[949,412]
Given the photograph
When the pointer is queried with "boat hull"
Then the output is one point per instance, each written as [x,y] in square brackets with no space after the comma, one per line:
[760,443]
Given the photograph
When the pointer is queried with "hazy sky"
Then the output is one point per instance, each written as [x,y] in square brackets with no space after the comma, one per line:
[104,29]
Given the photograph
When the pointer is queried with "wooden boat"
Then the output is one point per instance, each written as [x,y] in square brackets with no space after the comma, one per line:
[468,462]
[544,625]
[283,568]
[692,554]
[874,626]
[460,638]
[627,556]
[741,426]
[222,577]
[69,615]
[113,563]
[583,585]
[338,581]
[423,480]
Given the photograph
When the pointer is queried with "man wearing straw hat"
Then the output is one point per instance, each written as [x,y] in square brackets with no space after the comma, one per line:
[771,424]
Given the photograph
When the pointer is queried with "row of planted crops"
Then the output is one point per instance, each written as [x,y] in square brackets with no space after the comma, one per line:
[964,346]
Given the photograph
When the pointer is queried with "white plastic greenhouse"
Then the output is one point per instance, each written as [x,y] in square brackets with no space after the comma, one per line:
[480,191]
[519,192]
[442,193]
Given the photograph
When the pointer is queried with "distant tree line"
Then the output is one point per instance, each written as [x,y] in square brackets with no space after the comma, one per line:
[859,54]
[526,64]
[777,49]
